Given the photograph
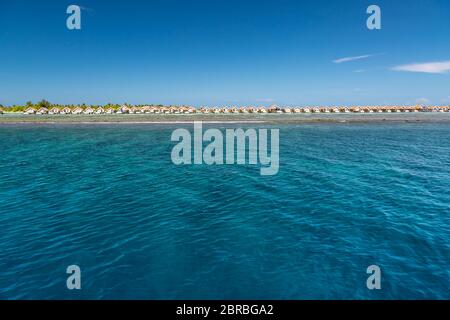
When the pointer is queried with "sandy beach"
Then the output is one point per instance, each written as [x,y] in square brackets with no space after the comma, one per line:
[18,118]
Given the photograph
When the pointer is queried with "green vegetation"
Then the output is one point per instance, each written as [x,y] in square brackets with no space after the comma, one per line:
[48,105]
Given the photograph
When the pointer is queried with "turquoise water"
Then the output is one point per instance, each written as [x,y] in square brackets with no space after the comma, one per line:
[109,199]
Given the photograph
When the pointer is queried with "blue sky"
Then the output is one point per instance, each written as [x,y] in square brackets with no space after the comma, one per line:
[223,52]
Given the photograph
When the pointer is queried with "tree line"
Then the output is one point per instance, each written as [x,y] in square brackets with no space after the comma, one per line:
[48,105]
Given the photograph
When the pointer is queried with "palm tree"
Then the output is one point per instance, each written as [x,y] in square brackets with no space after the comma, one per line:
[44,104]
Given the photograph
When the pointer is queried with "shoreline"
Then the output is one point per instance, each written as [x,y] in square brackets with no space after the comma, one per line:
[171,119]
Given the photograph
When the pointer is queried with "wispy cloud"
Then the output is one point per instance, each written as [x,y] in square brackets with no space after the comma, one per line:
[360,71]
[349,59]
[422,101]
[428,67]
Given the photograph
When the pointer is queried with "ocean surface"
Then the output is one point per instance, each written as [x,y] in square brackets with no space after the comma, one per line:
[109,199]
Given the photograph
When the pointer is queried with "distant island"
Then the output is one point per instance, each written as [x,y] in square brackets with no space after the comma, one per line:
[46,108]
[45,112]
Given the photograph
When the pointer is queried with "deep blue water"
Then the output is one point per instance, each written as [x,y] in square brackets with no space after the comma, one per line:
[109,199]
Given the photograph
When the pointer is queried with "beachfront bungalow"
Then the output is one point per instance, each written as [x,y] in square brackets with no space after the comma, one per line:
[172,110]
[274,109]
[124,109]
[54,110]
[183,110]
[306,110]
[262,110]
[297,110]
[335,110]
[99,110]
[88,110]
[30,110]
[133,110]
[155,110]
[405,109]
[110,110]
[65,110]
[77,110]
[234,110]
[144,109]
[42,111]
[243,110]
[287,110]
[1,110]
[178,110]
[165,110]
[316,110]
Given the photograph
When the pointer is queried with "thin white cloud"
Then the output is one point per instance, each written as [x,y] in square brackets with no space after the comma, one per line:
[349,59]
[422,101]
[428,67]
[360,71]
